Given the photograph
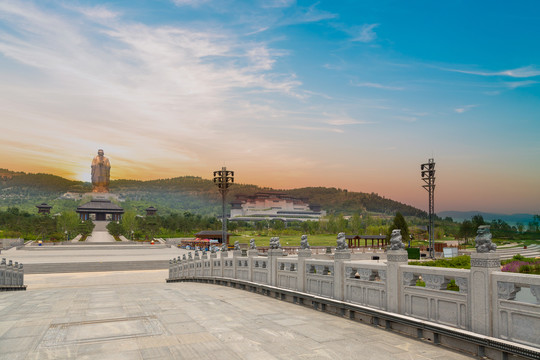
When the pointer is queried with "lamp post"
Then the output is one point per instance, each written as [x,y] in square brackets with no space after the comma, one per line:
[223,179]
[428,175]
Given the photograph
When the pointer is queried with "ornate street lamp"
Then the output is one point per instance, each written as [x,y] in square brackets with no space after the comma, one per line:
[223,179]
[428,175]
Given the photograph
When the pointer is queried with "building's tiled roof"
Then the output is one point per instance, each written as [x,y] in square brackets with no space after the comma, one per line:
[100,205]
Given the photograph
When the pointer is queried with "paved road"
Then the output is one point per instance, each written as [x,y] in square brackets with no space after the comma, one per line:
[136,315]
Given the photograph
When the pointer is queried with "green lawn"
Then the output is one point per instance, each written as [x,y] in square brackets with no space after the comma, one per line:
[286,240]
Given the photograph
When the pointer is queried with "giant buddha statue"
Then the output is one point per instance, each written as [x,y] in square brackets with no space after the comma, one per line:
[101,171]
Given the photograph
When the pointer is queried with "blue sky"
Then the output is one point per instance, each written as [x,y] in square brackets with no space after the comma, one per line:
[347,94]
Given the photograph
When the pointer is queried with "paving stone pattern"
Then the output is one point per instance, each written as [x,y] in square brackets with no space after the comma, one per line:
[136,315]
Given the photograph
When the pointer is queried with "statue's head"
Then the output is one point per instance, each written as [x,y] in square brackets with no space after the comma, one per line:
[483,229]
[396,233]
[100,152]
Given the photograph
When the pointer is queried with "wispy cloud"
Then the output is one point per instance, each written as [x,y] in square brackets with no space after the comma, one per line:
[96,12]
[378,86]
[517,84]
[307,15]
[193,3]
[315,128]
[464,108]
[365,33]
[407,118]
[278,3]
[160,85]
[523,72]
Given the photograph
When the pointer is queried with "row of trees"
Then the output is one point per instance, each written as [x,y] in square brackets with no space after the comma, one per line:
[500,229]
[21,224]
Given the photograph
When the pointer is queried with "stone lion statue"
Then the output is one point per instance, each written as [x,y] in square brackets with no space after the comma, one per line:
[213,249]
[483,240]
[224,247]
[274,243]
[396,240]
[341,242]
[184,257]
[196,252]
[252,245]
[304,243]
[237,245]
[189,256]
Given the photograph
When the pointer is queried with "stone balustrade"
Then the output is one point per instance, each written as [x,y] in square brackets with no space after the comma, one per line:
[11,276]
[483,300]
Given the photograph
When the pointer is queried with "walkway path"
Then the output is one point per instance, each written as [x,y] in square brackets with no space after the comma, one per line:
[136,315]
[100,233]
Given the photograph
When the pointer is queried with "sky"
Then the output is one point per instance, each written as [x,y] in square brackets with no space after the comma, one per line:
[346,94]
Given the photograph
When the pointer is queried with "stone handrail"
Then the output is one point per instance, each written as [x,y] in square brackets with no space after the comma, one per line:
[389,286]
[11,276]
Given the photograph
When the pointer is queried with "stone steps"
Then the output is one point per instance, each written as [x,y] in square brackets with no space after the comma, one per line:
[51,268]
[119,245]
[531,251]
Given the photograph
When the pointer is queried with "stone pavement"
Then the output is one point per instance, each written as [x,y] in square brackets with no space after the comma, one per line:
[136,315]
[100,233]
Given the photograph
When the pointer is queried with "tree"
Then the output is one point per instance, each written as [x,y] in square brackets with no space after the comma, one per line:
[115,228]
[477,220]
[86,227]
[128,223]
[400,223]
[467,230]
[68,221]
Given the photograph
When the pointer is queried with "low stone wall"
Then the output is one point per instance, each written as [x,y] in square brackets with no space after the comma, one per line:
[485,302]
[11,276]
[176,241]
[9,243]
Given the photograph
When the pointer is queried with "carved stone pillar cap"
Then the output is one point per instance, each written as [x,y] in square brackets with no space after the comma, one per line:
[342,255]
[304,253]
[397,256]
[252,252]
[485,260]
[237,253]
[275,252]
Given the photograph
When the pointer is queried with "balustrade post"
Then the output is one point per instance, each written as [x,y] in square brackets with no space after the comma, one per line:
[9,273]
[3,272]
[394,281]
[237,254]
[251,253]
[480,293]
[273,255]
[339,272]
[303,254]
[213,256]
[21,275]
[223,256]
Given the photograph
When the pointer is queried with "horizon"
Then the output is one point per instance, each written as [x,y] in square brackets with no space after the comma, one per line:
[288,94]
[89,181]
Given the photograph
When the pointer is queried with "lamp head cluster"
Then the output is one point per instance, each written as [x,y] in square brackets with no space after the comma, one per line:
[428,173]
[223,179]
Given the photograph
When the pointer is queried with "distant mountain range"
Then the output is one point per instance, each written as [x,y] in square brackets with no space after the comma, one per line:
[186,193]
[488,217]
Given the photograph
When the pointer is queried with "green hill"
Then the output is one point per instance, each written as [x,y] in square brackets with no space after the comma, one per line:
[186,193]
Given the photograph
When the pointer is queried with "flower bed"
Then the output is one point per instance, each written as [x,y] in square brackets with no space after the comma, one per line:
[520,264]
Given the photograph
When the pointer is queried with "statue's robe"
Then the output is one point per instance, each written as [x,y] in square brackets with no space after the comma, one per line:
[101,169]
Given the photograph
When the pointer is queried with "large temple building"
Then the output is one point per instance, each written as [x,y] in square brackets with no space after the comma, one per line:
[274,205]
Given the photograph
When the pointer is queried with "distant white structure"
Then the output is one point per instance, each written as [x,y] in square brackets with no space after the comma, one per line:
[274,205]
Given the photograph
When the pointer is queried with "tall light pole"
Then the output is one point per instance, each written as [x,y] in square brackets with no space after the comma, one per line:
[428,175]
[223,179]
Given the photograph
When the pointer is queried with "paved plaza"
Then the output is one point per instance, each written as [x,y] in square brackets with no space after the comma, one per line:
[136,315]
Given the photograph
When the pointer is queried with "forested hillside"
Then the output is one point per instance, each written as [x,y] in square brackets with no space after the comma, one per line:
[187,193]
